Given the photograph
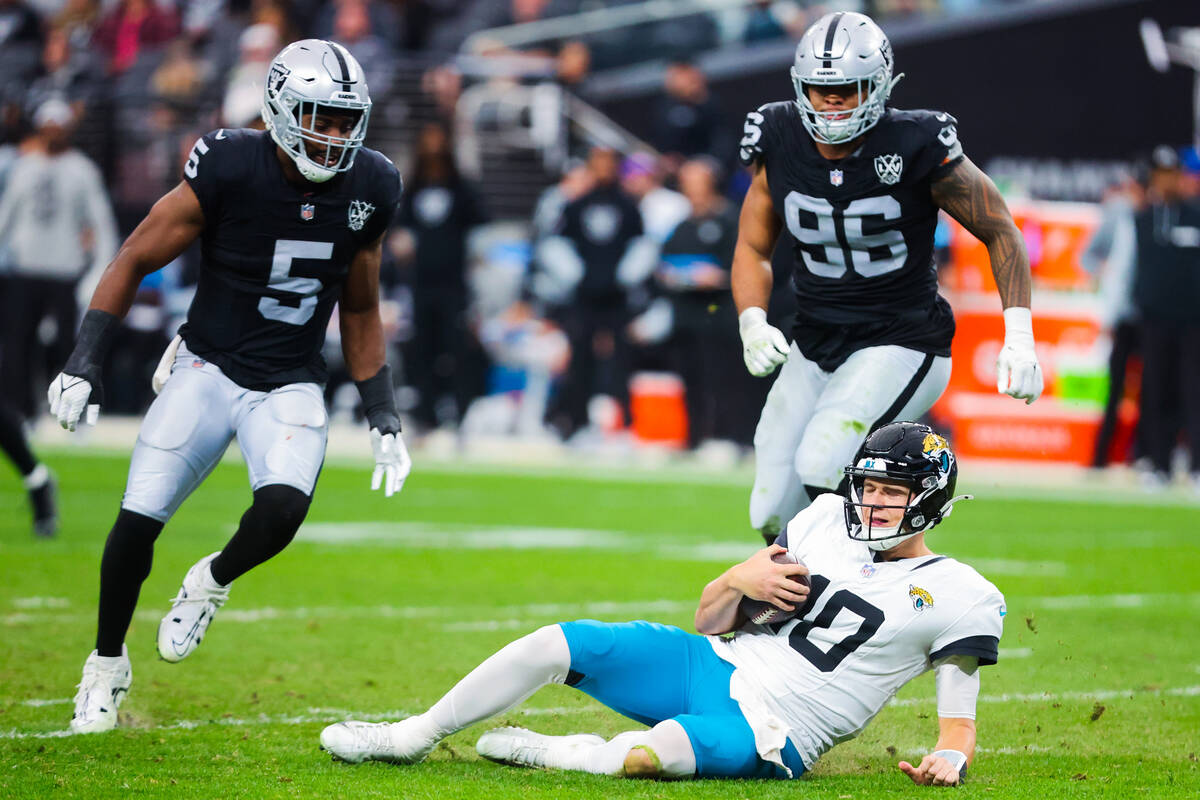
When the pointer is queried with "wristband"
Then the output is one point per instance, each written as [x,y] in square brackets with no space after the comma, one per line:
[752,317]
[96,333]
[1018,325]
[379,401]
[955,757]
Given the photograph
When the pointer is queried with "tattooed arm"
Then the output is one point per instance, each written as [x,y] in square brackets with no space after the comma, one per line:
[968,195]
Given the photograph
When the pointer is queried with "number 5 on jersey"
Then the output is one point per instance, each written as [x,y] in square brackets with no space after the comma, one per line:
[286,251]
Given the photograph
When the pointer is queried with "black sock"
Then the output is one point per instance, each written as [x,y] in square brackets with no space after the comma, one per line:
[125,565]
[266,528]
[13,441]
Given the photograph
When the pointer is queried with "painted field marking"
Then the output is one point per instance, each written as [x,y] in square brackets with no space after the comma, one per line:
[41,602]
[511,617]
[324,714]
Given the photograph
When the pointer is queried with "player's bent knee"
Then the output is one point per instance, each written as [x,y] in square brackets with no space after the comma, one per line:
[641,762]
[287,505]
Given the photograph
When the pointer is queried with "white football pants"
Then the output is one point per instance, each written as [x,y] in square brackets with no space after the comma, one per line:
[282,435]
[814,421]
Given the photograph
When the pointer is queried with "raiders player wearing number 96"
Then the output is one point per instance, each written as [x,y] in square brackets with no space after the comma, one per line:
[879,608]
[858,185]
[290,222]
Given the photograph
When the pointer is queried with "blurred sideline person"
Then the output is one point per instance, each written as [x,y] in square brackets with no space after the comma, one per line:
[596,255]
[873,606]
[437,214]
[1111,257]
[858,187]
[37,478]
[57,227]
[1166,291]
[291,222]
[694,275]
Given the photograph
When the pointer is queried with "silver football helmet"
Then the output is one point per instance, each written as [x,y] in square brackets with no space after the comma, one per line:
[841,48]
[307,78]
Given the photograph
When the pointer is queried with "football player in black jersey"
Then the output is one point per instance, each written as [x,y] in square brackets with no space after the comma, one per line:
[290,222]
[858,186]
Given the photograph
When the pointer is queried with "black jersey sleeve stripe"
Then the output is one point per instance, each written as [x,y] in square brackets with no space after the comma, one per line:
[909,390]
[927,563]
[984,648]
[342,65]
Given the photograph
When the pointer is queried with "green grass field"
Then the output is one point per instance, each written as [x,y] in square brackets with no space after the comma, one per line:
[380,605]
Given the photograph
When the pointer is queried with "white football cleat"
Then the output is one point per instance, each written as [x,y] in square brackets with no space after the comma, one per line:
[182,629]
[394,742]
[104,684]
[524,748]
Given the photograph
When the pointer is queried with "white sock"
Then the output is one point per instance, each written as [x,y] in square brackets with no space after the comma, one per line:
[504,680]
[667,742]
[38,478]
[109,662]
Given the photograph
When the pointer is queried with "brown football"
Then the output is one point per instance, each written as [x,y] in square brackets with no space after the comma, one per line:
[761,612]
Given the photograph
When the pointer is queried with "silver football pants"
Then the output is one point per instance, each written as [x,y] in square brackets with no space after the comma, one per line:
[814,421]
[282,435]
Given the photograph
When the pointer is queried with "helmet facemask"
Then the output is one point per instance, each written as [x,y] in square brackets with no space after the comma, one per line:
[339,151]
[843,124]
[858,513]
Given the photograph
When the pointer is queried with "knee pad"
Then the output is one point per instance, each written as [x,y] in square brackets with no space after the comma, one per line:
[285,506]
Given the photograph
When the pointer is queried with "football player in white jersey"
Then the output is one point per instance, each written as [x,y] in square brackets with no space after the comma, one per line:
[877,609]
[857,185]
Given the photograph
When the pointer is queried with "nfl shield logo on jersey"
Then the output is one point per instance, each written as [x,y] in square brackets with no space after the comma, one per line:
[836,176]
[360,211]
[888,168]
[307,211]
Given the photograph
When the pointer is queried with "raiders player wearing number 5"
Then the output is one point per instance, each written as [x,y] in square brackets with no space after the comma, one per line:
[878,609]
[290,222]
[858,186]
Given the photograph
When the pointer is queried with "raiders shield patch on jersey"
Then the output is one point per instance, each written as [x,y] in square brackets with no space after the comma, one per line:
[888,168]
[360,212]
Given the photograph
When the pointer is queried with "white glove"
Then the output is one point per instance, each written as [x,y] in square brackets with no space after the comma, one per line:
[763,345]
[392,463]
[68,394]
[165,364]
[1018,373]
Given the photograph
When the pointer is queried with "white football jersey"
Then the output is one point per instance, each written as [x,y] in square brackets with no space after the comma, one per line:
[866,629]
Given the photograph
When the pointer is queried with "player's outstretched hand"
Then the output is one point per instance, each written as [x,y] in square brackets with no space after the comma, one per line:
[1018,373]
[932,771]
[760,577]
[764,346]
[68,396]
[392,463]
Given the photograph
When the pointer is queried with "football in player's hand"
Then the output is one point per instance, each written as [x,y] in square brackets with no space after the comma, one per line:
[760,612]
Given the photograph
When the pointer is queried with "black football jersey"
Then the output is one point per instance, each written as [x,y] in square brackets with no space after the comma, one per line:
[274,256]
[861,229]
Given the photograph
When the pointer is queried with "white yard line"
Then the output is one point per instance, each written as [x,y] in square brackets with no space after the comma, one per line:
[325,714]
[509,617]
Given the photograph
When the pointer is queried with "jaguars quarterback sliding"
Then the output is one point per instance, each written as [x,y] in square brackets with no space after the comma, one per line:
[858,186]
[873,608]
[290,222]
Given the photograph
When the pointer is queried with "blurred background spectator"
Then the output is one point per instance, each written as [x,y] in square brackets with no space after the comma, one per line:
[1166,293]
[56,226]
[438,211]
[596,254]
[722,404]
[1111,256]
